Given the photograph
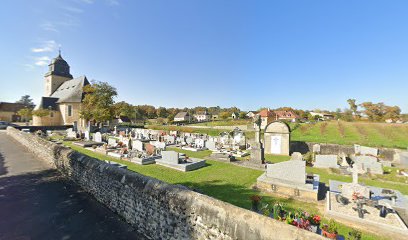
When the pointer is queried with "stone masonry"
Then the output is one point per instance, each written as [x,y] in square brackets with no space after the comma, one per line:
[159,210]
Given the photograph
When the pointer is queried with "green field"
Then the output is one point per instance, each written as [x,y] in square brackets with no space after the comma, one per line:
[338,132]
[232,183]
[349,133]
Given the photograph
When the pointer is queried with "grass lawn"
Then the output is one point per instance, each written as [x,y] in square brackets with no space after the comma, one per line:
[349,133]
[224,181]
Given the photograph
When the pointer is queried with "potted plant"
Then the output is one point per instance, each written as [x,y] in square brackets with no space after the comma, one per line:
[354,235]
[330,230]
[255,200]
[277,211]
[314,220]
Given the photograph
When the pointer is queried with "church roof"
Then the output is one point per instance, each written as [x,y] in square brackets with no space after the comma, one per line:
[59,67]
[71,90]
[48,103]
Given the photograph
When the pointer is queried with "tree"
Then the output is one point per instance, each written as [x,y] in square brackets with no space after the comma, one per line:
[242,115]
[25,112]
[392,112]
[374,111]
[41,112]
[338,113]
[26,100]
[347,115]
[170,118]
[224,115]
[98,102]
[380,111]
[162,112]
[353,106]
[124,109]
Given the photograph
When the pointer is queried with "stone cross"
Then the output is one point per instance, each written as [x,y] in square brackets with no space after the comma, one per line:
[355,175]
[257,122]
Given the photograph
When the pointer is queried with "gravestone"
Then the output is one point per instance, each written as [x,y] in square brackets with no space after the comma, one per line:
[170,139]
[150,149]
[75,126]
[238,137]
[199,143]
[348,189]
[316,148]
[71,133]
[290,171]
[97,137]
[297,156]
[160,145]
[344,162]
[86,135]
[170,157]
[138,145]
[326,161]
[362,150]
[189,140]
[210,145]
[402,158]
[368,164]
[112,142]
[277,138]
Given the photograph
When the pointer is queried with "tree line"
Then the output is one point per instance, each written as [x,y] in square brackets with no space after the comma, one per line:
[99,106]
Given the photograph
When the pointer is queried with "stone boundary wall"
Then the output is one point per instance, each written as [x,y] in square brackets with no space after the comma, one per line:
[328,148]
[158,210]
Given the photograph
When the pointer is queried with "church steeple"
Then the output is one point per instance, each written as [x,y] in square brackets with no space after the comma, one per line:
[59,67]
[57,74]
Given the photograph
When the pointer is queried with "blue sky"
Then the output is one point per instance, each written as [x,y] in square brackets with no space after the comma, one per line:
[250,54]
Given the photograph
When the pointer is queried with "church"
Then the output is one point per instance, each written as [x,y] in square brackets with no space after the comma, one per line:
[62,97]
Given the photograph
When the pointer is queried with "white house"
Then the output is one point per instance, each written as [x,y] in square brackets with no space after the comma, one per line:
[182,117]
[323,116]
[202,116]
[251,114]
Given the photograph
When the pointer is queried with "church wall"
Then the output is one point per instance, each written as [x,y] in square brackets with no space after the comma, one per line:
[55,120]
[69,120]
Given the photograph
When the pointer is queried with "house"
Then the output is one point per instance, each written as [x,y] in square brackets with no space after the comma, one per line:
[182,117]
[389,120]
[63,96]
[235,115]
[267,116]
[285,115]
[215,117]
[121,119]
[251,114]
[9,111]
[323,116]
[202,116]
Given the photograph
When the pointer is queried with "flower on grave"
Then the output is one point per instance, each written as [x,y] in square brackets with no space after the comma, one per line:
[315,219]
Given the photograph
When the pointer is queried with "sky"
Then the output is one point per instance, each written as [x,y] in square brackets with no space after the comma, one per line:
[184,53]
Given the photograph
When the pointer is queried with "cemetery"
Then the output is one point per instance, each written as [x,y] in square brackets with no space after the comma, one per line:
[289,178]
[179,161]
[367,206]
[157,150]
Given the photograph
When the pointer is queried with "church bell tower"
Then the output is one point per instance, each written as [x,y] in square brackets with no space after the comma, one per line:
[57,74]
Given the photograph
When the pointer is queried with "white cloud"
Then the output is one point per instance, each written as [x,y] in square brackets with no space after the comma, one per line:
[42,61]
[47,46]
[48,26]
[73,9]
